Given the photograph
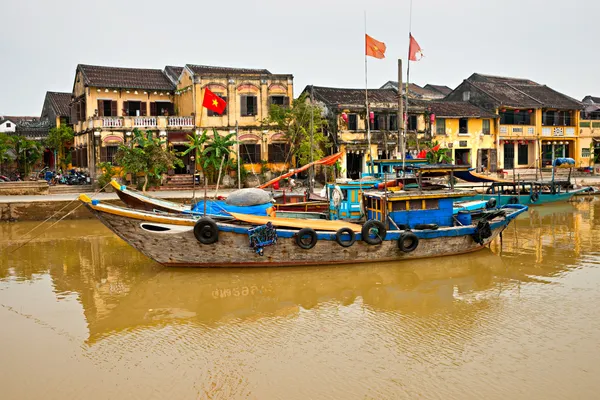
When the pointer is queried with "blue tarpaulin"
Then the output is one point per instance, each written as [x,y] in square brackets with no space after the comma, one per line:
[563,161]
[220,208]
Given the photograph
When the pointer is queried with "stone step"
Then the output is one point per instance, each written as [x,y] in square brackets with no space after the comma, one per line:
[62,189]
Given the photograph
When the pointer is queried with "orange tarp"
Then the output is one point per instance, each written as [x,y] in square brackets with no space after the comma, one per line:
[329,160]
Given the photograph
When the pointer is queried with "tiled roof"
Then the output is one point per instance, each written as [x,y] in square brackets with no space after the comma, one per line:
[212,70]
[19,119]
[352,97]
[125,78]
[458,109]
[591,99]
[438,88]
[173,72]
[59,101]
[414,90]
[515,92]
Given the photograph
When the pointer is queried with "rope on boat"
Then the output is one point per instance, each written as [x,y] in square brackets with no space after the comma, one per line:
[52,216]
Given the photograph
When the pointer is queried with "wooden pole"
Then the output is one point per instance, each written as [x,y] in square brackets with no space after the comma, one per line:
[237,140]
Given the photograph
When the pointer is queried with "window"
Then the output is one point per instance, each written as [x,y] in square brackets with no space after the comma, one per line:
[107,153]
[106,108]
[412,123]
[585,152]
[278,152]
[161,108]
[463,125]
[352,122]
[523,154]
[214,114]
[440,126]
[515,117]
[466,96]
[249,106]
[486,126]
[379,122]
[250,153]
[134,109]
[283,101]
[393,122]
[8,125]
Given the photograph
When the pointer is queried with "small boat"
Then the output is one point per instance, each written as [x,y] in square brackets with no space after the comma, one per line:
[475,177]
[415,226]
[529,193]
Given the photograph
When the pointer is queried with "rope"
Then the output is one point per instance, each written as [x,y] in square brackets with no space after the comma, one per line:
[47,219]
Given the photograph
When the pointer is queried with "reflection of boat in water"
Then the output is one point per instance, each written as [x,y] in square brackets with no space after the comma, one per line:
[215,296]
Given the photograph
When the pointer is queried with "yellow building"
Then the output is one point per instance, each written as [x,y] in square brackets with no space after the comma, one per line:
[468,131]
[589,132]
[249,93]
[535,123]
[109,102]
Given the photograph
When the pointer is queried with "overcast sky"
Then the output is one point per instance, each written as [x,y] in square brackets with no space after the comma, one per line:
[321,42]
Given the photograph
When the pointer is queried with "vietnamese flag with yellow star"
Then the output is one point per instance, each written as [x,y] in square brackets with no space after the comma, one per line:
[213,102]
[374,48]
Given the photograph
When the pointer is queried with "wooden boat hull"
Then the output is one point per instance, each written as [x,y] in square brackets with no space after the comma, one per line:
[139,201]
[177,246]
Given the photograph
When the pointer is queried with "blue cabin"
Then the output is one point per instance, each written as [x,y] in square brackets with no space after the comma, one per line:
[384,169]
[345,198]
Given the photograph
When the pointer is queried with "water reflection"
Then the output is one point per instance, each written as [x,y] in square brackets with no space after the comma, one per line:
[238,326]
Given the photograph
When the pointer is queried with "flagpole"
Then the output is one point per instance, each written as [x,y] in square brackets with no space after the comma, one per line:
[368,116]
[407,72]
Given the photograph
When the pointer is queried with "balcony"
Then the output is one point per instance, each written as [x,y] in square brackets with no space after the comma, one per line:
[517,130]
[110,122]
[558,131]
[180,121]
[144,122]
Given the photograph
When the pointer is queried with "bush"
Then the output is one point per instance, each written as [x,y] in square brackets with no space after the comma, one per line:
[108,171]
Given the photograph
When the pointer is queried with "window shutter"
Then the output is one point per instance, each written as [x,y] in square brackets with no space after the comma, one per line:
[101,108]
[143,109]
[286,101]
[153,112]
[125,108]
[171,109]
[73,113]
[255,105]
[113,108]
[479,160]
[226,105]
[244,105]
[381,119]
[103,153]
[493,160]
[83,110]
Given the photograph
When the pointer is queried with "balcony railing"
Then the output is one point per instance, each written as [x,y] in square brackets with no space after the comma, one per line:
[558,131]
[180,121]
[517,130]
[112,122]
[144,122]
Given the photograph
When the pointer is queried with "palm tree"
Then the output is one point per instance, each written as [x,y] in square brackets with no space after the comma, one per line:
[217,151]
[196,144]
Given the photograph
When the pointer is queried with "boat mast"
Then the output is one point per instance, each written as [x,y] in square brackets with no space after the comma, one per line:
[311,173]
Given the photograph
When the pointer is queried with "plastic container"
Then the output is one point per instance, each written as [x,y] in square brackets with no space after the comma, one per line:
[464,217]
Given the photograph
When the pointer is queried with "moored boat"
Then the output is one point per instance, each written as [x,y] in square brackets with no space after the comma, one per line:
[250,241]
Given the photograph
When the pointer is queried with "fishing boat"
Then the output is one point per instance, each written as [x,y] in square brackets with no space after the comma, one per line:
[416,226]
[535,192]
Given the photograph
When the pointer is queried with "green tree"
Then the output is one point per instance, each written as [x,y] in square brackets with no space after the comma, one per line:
[295,123]
[6,150]
[146,155]
[58,139]
[216,151]
[196,146]
[28,152]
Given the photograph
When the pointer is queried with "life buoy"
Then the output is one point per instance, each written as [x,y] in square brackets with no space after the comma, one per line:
[421,227]
[373,232]
[513,200]
[339,237]
[303,234]
[491,203]
[534,197]
[408,242]
[206,231]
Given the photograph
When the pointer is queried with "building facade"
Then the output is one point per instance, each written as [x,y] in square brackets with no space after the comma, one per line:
[249,93]
[535,123]
[589,132]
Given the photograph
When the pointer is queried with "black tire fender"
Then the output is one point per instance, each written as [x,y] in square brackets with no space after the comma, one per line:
[491,203]
[421,227]
[379,231]
[513,200]
[206,231]
[304,232]
[534,197]
[345,231]
[408,242]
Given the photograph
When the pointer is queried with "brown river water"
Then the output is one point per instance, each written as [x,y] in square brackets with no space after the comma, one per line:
[84,316]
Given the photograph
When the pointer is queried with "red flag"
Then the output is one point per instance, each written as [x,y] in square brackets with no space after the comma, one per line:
[374,48]
[436,148]
[414,50]
[213,102]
